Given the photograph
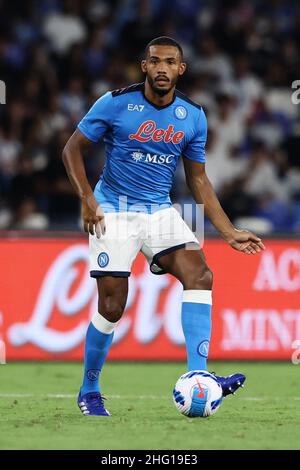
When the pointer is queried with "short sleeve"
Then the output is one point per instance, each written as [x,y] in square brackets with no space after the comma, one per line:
[99,118]
[195,149]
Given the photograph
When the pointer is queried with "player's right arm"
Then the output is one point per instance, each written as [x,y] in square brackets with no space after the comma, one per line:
[91,213]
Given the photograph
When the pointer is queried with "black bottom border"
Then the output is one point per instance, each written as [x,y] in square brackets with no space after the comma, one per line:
[136,458]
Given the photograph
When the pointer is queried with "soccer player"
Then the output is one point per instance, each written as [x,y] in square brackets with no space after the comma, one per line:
[146,128]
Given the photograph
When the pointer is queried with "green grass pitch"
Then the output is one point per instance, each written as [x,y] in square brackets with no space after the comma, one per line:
[38,409]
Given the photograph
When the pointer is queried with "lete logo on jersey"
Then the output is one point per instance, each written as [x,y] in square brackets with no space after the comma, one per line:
[147,131]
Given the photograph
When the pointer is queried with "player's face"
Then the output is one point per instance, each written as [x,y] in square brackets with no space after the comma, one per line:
[162,67]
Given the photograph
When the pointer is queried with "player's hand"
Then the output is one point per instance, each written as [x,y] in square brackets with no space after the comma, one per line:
[245,241]
[92,216]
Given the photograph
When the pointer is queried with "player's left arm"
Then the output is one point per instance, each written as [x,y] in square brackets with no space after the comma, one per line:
[203,193]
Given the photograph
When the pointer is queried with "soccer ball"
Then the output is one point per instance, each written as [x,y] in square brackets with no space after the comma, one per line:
[197,394]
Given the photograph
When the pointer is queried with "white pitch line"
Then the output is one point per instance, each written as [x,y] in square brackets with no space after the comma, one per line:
[63,395]
[17,395]
[127,397]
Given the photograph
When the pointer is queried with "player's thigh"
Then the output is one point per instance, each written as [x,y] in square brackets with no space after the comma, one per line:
[189,266]
[112,293]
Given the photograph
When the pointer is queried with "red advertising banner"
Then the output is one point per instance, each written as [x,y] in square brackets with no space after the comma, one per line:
[47,299]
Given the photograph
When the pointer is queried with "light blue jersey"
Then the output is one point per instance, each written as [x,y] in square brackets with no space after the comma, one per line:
[143,143]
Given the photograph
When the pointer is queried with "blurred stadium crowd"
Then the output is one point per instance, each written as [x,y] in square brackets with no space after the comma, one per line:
[57,57]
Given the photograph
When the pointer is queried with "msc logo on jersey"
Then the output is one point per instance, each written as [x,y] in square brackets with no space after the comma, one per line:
[135,107]
[147,131]
[149,158]
[180,112]
[137,156]
[103,259]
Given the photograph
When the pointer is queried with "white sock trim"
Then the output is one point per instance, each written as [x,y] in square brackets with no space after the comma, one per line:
[103,325]
[197,296]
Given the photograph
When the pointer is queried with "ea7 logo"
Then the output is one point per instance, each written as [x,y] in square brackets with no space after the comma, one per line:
[135,107]
[2,92]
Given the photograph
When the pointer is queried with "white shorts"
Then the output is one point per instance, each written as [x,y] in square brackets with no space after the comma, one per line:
[127,233]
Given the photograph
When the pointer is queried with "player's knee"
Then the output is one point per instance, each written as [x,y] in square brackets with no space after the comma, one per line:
[208,279]
[111,308]
[199,280]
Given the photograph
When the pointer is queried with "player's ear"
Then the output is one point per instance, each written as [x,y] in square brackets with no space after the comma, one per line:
[143,66]
[182,68]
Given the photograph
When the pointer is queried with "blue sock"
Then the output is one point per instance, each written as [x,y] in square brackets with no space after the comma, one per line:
[99,337]
[196,325]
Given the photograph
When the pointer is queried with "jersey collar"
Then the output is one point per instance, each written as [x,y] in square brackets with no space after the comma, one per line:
[154,105]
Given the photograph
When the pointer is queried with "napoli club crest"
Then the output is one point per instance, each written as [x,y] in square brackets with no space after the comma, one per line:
[203,348]
[180,112]
[103,259]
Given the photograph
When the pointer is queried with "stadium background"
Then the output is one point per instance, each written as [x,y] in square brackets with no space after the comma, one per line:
[56,58]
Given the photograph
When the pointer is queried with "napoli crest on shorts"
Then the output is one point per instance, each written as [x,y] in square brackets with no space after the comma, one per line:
[103,259]
[180,112]
[203,348]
